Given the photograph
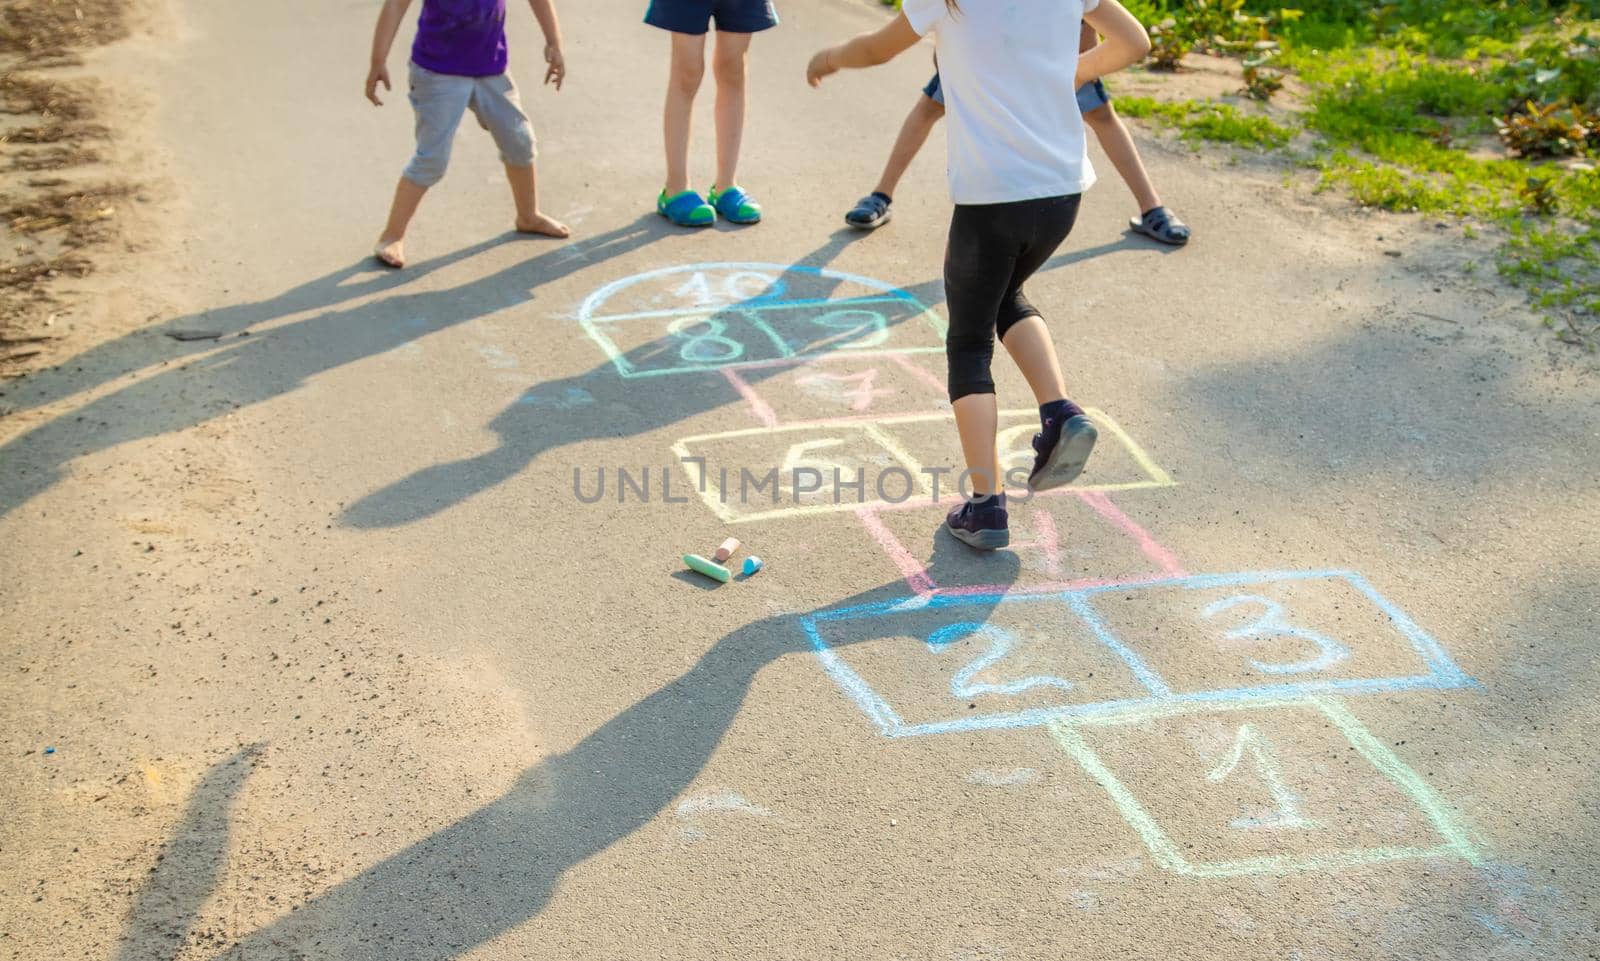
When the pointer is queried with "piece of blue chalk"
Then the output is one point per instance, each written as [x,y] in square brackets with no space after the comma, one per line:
[751,565]
[49,750]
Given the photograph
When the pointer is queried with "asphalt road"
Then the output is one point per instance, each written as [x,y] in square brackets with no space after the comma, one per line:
[337,662]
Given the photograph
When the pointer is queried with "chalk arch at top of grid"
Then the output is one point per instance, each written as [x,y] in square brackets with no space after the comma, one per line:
[701,317]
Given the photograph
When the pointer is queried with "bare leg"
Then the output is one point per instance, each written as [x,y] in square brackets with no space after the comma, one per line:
[729,64]
[913,134]
[525,190]
[391,245]
[688,66]
[978,421]
[1118,145]
[1029,344]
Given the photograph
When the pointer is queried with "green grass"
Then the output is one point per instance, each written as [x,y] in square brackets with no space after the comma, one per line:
[1402,105]
[1209,120]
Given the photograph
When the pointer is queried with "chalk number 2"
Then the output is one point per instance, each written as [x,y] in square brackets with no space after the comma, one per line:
[1001,643]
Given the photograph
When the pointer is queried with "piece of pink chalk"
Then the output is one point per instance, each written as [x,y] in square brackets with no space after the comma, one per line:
[727,549]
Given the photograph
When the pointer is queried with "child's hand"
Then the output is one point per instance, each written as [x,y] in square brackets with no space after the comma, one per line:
[378,74]
[820,66]
[558,65]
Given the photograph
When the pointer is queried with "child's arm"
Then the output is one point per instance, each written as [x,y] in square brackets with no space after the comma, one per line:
[866,50]
[382,39]
[545,12]
[1125,42]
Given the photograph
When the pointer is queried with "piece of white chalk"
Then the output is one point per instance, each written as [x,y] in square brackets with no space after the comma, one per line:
[727,549]
[751,565]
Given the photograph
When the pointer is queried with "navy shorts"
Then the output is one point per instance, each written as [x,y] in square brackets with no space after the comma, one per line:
[695,16]
[1091,96]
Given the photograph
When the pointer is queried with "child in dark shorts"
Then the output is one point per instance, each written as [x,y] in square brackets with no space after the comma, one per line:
[1094,103]
[1017,165]
[688,20]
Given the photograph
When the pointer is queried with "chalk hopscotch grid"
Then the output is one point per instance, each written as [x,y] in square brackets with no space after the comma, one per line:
[1456,842]
[766,416]
[1155,476]
[1442,673]
[593,320]
[921,580]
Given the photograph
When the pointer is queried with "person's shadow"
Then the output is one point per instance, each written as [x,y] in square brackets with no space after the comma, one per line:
[548,416]
[498,867]
[280,359]
[191,862]
[600,403]
[173,340]
[254,367]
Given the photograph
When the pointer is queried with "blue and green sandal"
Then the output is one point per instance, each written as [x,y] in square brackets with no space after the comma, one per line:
[735,205]
[687,209]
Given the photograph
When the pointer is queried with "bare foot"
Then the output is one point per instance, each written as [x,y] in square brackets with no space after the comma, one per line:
[541,224]
[391,253]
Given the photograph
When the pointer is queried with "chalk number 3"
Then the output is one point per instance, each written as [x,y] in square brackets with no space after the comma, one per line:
[1273,623]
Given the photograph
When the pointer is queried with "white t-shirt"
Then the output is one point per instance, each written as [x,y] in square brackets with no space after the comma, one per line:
[1006,68]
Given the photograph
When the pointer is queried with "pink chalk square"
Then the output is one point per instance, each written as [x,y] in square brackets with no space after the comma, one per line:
[1058,543]
[839,387]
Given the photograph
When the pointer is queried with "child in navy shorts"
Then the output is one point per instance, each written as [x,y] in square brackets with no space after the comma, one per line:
[1094,104]
[688,20]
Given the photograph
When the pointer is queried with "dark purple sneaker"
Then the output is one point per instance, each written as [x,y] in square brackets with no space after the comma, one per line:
[1060,451]
[983,526]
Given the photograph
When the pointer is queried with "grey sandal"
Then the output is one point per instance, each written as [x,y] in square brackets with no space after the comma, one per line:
[1162,225]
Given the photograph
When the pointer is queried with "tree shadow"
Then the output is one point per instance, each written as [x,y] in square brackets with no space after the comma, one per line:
[283,358]
[499,866]
[186,874]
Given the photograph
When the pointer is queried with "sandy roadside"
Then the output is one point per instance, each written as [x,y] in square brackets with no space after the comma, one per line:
[82,191]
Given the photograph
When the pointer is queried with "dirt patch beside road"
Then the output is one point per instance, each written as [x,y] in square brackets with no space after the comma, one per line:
[63,193]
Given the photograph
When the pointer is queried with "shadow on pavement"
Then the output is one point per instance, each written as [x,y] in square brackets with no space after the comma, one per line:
[498,867]
[281,359]
[185,876]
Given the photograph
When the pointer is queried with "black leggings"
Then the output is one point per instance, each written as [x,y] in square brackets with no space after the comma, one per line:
[993,249]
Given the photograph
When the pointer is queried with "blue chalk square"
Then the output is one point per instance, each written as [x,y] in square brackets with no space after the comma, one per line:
[1271,634]
[713,316]
[954,663]
[950,662]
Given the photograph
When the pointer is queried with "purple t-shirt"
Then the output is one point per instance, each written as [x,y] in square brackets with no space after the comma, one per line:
[463,37]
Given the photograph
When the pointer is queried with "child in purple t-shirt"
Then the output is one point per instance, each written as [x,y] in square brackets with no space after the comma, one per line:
[458,63]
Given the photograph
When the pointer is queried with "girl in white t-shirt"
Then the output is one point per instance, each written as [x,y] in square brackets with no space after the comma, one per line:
[1010,70]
